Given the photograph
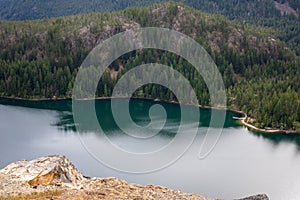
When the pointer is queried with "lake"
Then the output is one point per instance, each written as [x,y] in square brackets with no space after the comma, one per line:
[242,163]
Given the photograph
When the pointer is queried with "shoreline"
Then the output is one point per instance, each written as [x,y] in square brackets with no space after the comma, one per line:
[263,130]
[105,98]
[242,120]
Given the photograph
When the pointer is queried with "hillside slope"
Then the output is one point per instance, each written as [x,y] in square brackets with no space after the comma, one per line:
[41,58]
[281,15]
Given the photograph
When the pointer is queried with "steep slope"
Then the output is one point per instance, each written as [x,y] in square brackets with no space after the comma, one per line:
[259,13]
[40,59]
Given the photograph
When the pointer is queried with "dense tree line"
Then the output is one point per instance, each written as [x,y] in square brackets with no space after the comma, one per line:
[41,59]
[248,13]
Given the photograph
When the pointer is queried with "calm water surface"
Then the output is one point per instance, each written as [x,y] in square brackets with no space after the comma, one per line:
[242,163]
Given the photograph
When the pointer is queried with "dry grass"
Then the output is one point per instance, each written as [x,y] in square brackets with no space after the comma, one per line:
[36,195]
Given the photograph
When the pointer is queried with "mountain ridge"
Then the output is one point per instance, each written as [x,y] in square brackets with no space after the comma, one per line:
[266,13]
[18,10]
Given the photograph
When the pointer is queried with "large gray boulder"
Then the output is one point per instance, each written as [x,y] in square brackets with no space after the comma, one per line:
[50,170]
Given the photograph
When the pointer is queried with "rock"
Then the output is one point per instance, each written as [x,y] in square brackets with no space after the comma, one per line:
[51,170]
[56,176]
[256,197]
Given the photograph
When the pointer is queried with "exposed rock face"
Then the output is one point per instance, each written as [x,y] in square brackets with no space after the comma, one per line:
[46,173]
[286,9]
[51,170]
[257,197]
[57,173]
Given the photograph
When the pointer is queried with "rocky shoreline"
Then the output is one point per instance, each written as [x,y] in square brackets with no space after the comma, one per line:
[55,177]
[245,121]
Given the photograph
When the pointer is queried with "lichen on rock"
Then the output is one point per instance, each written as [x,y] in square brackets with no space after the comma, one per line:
[44,171]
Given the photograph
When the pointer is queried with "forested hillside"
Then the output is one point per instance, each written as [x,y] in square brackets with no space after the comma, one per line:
[285,27]
[40,59]
[37,9]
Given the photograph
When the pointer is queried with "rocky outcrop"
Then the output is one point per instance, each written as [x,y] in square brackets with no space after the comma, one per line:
[55,177]
[51,170]
[45,173]
[57,173]
[256,197]
[285,8]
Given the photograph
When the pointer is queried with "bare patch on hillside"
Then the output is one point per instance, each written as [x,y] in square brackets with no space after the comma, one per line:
[286,9]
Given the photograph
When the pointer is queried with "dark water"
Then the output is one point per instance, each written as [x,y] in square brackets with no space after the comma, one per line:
[242,163]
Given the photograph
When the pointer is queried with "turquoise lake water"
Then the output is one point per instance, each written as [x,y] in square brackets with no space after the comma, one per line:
[242,163]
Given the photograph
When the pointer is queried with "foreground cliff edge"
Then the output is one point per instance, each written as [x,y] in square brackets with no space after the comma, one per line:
[55,177]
